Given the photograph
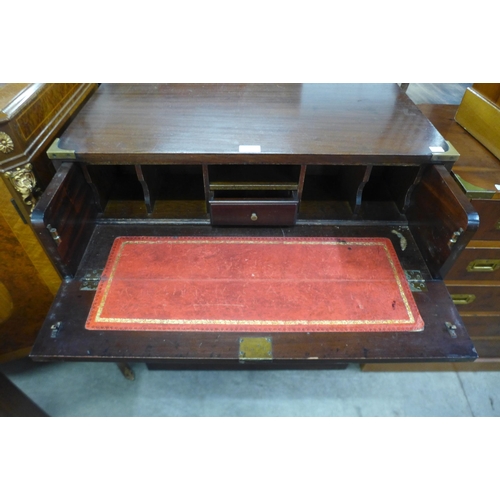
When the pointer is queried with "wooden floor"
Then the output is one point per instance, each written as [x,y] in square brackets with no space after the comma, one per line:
[437,93]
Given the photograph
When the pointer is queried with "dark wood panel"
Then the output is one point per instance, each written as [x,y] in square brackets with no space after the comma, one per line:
[442,219]
[489,218]
[68,206]
[292,123]
[482,325]
[14,403]
[487,348]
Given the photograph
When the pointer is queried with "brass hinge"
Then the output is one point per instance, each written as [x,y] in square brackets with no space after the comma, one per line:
[56,153]
[255,349]
[455,236]
[54,233]
[416,281]
[90,280]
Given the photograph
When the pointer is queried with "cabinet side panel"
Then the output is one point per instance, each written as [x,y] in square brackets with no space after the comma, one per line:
[64,218]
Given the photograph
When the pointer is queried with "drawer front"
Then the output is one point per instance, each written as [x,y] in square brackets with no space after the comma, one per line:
[476,298]
[262,213]
[477,264]
[482,326]
[487,348]
[489,219]
[484,332]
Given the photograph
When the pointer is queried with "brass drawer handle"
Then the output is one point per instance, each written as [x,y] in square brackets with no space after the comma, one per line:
[254,217]
[462,299]
[483,265]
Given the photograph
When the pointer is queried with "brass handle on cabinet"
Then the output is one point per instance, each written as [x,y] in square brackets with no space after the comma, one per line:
[462,299]
[483,265]
[254,217]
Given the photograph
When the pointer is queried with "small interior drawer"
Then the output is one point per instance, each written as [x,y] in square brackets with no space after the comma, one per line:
[253,212]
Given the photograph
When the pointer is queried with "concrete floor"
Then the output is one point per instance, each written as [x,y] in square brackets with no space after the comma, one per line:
[99,389]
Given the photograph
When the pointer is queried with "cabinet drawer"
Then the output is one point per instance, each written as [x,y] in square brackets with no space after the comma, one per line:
[488,348]
[489,219]
[484,331]
[481,262]
[475,298]
[482,325]
[253,213]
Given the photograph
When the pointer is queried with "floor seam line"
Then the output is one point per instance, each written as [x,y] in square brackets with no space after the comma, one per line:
[465,394]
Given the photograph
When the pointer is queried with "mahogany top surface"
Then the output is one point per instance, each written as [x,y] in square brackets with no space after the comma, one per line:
[170,122]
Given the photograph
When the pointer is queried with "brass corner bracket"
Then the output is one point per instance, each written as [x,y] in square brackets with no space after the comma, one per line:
[56,153]
[451,154]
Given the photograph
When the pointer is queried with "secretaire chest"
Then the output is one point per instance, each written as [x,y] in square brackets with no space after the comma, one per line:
[272,225]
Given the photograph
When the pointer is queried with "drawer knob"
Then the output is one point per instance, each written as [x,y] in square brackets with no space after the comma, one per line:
[254,217]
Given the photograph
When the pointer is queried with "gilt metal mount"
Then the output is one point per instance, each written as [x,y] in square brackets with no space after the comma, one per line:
[24,182]
[6,143]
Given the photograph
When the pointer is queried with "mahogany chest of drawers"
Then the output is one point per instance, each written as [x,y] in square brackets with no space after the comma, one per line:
[260,161]
[474,279]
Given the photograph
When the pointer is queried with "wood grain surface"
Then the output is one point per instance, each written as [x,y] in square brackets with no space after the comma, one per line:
[302,123]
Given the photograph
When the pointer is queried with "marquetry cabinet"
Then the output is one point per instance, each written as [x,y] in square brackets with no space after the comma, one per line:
[31,115]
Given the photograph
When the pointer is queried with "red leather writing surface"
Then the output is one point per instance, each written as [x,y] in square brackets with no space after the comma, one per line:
[253,285]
